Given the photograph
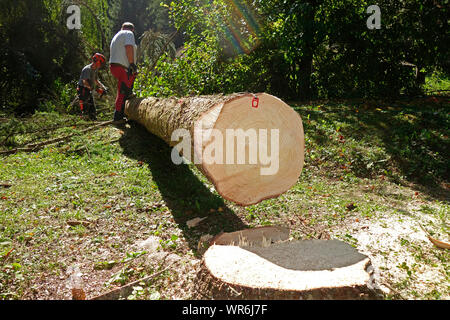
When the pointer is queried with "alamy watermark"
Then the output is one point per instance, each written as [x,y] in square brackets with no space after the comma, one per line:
[374,21]
[229,147]
[74,20]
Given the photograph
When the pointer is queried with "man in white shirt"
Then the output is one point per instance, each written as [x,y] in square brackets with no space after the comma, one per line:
[123,65]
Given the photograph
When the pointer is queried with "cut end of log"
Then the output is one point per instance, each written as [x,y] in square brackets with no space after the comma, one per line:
[262,147]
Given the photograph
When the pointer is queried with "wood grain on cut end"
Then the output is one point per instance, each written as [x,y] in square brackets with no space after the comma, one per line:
[249,182]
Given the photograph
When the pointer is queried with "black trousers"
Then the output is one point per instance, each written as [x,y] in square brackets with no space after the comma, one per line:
[87,105]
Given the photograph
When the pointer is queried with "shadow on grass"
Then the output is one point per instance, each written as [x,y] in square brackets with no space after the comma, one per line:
[413,135]
[180,188]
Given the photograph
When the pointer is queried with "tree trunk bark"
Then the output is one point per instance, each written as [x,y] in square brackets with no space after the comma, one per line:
[305,77]
[251,147]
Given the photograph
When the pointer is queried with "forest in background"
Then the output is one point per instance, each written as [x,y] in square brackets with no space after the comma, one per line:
[296,50]
[82,195]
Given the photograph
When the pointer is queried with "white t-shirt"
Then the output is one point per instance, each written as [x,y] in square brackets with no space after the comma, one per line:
[118,53]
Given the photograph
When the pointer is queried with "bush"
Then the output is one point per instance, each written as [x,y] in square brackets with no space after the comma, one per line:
[301,49]
[37,50]
[193,73]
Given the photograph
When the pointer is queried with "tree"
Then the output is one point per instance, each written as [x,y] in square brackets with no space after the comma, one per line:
[144,14]
[36,50]
[303,49]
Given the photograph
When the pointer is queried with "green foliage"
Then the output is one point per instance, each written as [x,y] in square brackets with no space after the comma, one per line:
[36,50]
[437,81]
[153,45]
[211,59]
[144,14]
[409,141]
[40,56]
[61,97]
[331,52]
[65,92]
[292,49]
[191,74]
[303,49]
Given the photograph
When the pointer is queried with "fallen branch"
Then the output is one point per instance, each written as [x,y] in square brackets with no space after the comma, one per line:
[6,139]
[87,150]
[127,289]
[74,223]
[6,256]
[5,185]
[393,290]
[437,243]
[76,124]
[171,38]
[47,130]
[37,146]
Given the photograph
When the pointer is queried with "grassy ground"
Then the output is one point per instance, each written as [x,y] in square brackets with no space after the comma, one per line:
[373,173]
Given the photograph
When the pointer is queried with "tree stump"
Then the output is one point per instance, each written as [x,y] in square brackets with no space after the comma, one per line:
[251,147]
[305,269]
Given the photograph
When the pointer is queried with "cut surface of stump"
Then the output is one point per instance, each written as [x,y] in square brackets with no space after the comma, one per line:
[249,150]
[305,269]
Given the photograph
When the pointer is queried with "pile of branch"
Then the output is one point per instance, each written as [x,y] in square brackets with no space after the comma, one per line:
[39,145]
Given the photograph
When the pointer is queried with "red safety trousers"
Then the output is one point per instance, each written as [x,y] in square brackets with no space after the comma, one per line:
[120,73]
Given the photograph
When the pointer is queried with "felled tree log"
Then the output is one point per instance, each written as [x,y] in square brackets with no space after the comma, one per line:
[305,269]
[251,147]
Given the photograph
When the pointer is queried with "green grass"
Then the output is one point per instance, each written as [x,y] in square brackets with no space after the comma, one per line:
[436,82]
[391,160]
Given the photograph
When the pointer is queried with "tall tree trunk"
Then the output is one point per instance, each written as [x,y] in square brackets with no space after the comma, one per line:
[309,46]
[251,147]
[305,77]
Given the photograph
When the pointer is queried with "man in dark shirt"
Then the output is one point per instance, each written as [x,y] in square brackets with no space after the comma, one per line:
[88,80]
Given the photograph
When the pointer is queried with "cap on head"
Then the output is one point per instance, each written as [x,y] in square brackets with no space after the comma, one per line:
[128,26]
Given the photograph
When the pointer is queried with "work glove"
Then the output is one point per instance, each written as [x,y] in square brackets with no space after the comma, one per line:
[102,91]
[132,70]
